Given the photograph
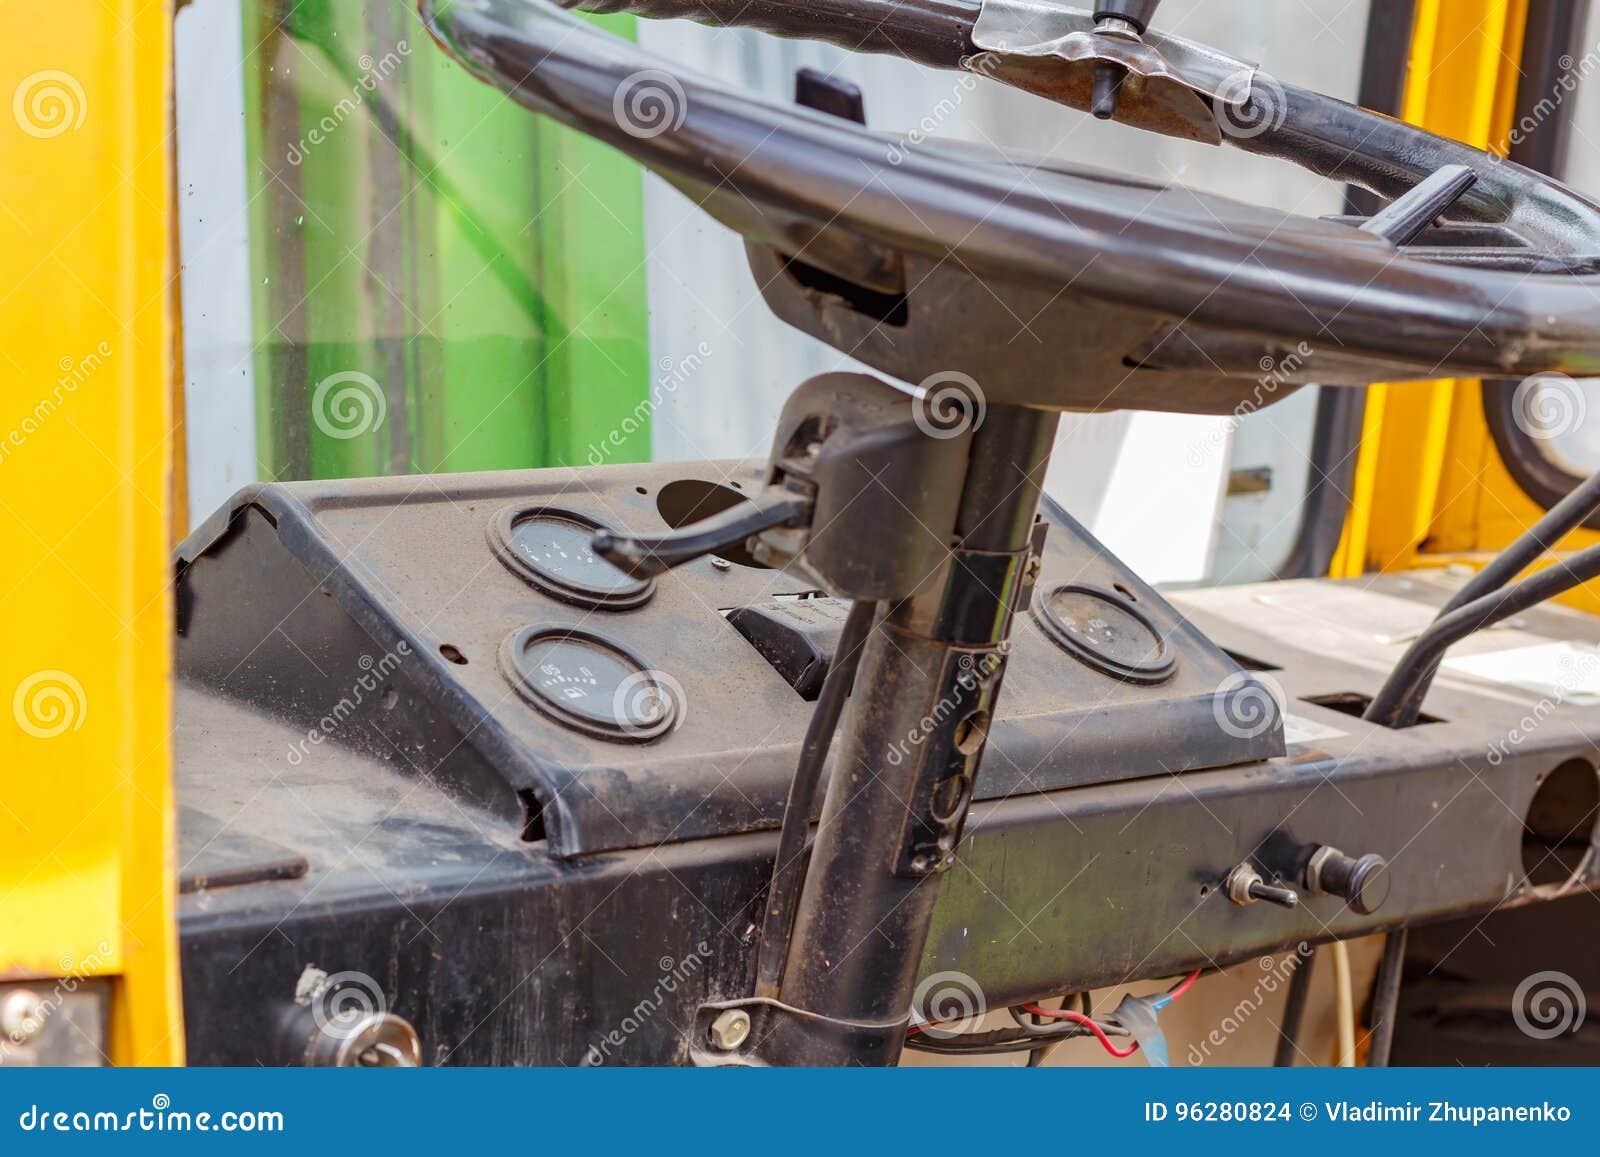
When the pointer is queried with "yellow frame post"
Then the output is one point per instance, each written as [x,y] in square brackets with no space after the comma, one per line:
[1462,83]
[87,872]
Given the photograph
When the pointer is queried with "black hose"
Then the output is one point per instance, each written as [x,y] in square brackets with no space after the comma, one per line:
[1559,521]
[1399,701]
[1386,999]
[787,869]
[1294,1013]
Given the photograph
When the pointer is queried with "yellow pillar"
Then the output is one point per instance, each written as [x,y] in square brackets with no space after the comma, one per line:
[1461,82]
[87,875]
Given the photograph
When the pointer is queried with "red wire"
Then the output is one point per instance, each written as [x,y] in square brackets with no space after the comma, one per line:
[1188,983]
[1079,1018]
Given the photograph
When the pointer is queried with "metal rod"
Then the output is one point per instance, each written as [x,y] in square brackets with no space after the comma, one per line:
[1294,1014]
[787,870]
[1386,998]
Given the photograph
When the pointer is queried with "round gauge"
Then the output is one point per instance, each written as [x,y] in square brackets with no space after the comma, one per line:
[550,548]
[590,684]
[1105,632]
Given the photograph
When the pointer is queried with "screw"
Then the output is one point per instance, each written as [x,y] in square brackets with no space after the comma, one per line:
[721,563]
[731,1029]
[22,1014]
[1030,573]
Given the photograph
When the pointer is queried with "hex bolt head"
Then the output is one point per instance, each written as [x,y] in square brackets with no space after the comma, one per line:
[731,1029]
[22,1015]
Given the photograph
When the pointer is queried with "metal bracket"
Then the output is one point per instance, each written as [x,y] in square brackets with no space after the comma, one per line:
[1174,86]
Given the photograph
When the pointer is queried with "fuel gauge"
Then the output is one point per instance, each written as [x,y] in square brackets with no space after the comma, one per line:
[550,549]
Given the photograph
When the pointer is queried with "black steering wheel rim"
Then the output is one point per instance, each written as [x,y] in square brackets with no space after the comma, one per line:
[785,175]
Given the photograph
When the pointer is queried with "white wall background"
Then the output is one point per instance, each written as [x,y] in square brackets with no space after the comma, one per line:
[214,229]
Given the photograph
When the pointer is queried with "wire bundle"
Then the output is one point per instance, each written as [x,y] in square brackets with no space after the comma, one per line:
[1040,1029]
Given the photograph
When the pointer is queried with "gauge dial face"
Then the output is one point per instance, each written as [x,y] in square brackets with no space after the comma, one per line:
[1106,633]
[550,548]
[591,684]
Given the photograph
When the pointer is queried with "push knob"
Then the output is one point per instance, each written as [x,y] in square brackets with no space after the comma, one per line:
[1363,882]
[1244,885]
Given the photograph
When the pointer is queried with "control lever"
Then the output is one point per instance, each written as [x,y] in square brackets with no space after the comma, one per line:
[641,557]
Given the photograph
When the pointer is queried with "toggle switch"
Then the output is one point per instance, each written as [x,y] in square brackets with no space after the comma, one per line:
[1244,885]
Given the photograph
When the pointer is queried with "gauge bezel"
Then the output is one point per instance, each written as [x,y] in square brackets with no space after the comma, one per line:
[1158,670]
[516,645]
[504,545]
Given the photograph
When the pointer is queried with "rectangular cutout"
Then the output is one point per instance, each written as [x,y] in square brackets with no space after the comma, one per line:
[1250,663]
[1355,704]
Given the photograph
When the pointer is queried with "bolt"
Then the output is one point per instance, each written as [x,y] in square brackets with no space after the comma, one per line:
[22,1014]
[1030,573]
[731,1029]
[721,563]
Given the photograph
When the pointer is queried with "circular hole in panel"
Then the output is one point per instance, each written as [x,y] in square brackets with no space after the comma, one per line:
[1559,827]
[971,732]
[687,501]
[453,653]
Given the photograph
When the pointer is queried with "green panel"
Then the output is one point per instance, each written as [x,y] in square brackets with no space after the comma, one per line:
[443,281]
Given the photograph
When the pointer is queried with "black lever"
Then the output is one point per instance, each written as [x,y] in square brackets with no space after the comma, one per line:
[1417,208]
[643,557]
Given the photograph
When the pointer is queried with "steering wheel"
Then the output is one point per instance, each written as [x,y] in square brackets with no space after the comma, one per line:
[909,255]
